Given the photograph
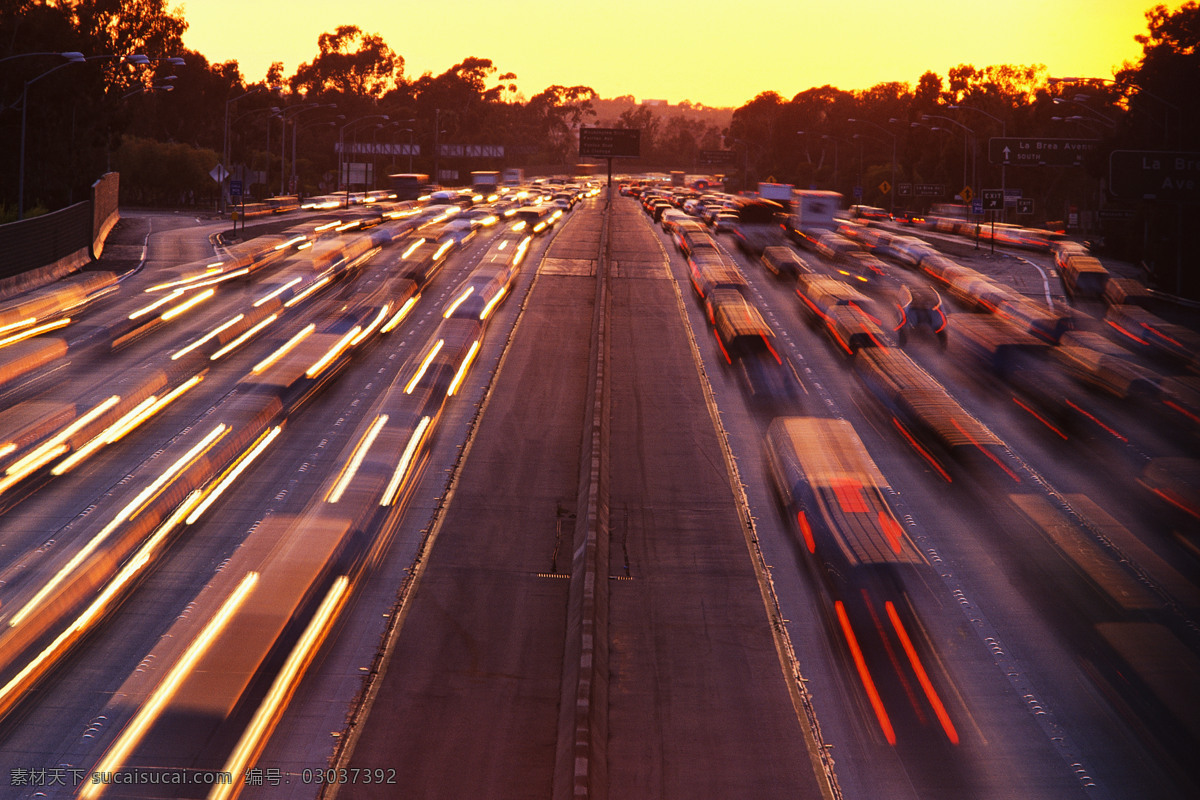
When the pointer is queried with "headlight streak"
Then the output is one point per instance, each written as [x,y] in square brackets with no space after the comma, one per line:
[462,370]
[294,240]
[53,447]
[284,350]
[400,315]
[324,361]
[401,473]
[356,459]
[156,304]
[232,474]
[207,337]
[412,248]
[441,251]
[298,298]
[424,366]
[137,728]
[31,332]
[128,421]
[492,303]
[209,271]
[282,687]
[327,226]
[245,337]
[12,326]
[237,273]
[273,294]
[130,511]
[194,300]
[450,309]
[367,331]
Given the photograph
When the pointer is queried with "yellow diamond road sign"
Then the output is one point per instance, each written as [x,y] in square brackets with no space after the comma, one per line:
[885,187]
[967,194]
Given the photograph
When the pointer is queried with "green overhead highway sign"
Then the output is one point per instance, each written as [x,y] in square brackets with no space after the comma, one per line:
[1040,152]
[610,142]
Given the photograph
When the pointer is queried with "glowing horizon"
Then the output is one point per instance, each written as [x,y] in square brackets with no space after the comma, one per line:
[701,51]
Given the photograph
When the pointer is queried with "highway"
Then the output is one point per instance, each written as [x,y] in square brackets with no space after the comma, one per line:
[531,546]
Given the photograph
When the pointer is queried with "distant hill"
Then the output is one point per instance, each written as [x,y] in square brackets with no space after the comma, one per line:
[608,111]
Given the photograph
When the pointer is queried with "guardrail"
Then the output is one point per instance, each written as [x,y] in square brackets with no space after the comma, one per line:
[43,249]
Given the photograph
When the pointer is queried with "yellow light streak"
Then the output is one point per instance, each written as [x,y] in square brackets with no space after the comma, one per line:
[327,226]
[503,245]
[362,337]
[462,370]
[412,248]
[400,315]
[12,326]
[209,271]
[304,246]
[324,361]
[128,512]
[245,337]
[282,688]
[290,242]
[492,303]
[207,337]
[192,301]
[140,725]
[98,605]
[271,295]
[458,301]
[102,438]
[300,297]
[351,224]
[162,301]
[28,465]
[227,276]
[401,473]
[58,441]
[7,448]
[283,351]
[424,366]
[442,250]
[239,467]
[27,334]
[356,459]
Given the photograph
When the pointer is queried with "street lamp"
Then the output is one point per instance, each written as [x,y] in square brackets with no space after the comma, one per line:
[974,148]
[72,58]
[1140,91]
[283,115]
[1003,167]
[892,191]
[344,164]
[70,55]
[225,146]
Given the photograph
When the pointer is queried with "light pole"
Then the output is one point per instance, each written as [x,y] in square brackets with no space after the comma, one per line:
[1003,168]
[295,127]
[1166,116]
[343,163]
[72,58]
[70,55]
[283,115]
[974,148]
[892,191]
[225,147]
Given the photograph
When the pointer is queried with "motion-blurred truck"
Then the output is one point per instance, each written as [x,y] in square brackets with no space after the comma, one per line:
[812,213]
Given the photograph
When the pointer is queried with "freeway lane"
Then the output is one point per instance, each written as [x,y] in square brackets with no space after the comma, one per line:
[697,705]
[1025,602]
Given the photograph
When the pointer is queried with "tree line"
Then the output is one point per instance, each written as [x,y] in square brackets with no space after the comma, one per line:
[163,124]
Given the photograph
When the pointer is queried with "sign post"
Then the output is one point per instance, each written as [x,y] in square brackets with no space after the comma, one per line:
[993,200]
[610,143]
